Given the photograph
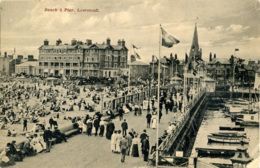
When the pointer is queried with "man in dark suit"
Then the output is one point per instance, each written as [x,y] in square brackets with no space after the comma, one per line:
[96,125]
[123,146]
[120,113]
[47,137]
[146,148]
[110,129]
[124,126]
[143,136]
[148,118]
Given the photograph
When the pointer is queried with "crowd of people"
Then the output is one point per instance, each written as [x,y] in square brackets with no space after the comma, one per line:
[16,108]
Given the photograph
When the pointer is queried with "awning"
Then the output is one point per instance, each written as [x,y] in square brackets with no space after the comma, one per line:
[52,71]
[46,70]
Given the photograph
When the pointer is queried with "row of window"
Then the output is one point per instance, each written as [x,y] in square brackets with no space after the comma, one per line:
[59,51]
[122,59]
[60,58]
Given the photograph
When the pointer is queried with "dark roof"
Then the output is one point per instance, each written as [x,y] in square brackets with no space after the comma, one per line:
[220,60]
[84,46]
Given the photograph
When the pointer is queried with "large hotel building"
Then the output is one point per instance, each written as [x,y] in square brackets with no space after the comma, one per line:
[83,59]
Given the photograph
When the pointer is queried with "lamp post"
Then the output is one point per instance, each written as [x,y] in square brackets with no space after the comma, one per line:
[149,92]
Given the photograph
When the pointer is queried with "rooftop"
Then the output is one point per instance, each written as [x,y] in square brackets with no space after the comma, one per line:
[220,60]
[138,63]
[28,63]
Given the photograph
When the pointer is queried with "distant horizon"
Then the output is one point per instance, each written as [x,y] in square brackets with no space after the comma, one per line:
[222,25]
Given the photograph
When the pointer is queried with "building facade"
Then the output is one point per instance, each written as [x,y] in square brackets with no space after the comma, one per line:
[28,68]
[139,70]
[220,69]
[82,59]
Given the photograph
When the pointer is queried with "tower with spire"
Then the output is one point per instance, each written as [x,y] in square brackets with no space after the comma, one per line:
[195,51]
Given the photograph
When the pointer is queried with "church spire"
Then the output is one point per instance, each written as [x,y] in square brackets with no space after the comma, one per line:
[194,51]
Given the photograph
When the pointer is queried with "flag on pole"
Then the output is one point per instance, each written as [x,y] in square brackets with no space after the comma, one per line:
[168,40]
[137,55]
[134,47]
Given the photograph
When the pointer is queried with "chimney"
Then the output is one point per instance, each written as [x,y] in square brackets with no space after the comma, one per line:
[176,57]
[119,43]
[5,54]
[89,42]
[30,57]
[46,42]
[108,41]
[79,42]
[210,57]
[214,55]
[58,42]
[133,58]
[73,42]
[123,43]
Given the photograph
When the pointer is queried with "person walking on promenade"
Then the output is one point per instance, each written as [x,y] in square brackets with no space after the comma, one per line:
[160,115]
[120,113]
[118,138]
[123,146]
[145,148]
[51,122]
[89,127]
[25,124]
[134,149]
[47,137]
[143,137]
[102,127]
[154,120]
[110,129]
[96,125]
[129,139]
[148,119]
[124,126]
[113,141]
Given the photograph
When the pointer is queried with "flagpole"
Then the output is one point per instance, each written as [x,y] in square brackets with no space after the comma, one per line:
[158,107]
[153,68]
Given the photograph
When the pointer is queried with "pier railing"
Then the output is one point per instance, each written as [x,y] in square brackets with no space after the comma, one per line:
[170,139]
[135,98]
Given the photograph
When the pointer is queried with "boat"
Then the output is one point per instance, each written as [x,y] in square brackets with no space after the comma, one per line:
[231,140]
[231,128]
[249,120]
[229,134]
[216,152]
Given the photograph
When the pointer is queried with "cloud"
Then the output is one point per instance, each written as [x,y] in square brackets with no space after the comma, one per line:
[235,28]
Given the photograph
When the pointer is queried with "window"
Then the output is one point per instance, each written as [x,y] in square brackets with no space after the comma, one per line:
[55,58]
[92,59]
[252,117]
[78,58]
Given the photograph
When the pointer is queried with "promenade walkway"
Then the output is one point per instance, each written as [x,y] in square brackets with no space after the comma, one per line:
[94,152]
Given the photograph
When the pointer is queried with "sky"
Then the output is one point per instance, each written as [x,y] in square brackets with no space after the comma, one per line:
[223,25]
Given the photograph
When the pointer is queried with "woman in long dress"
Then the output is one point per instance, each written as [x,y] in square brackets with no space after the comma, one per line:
[113,141]
[134,149]
[118,139]
[154,121]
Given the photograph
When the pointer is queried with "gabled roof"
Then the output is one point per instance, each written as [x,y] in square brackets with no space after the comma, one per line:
[61,46]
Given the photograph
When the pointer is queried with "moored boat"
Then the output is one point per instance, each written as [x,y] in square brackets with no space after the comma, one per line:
[231,140]
[229,134]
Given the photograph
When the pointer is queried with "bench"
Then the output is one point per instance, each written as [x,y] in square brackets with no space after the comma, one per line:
[70,129]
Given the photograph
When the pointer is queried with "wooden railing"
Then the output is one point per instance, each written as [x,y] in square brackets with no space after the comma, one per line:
[170,139]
